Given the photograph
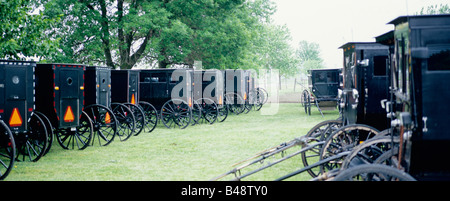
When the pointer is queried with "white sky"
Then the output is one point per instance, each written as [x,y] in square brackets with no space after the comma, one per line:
[332,23]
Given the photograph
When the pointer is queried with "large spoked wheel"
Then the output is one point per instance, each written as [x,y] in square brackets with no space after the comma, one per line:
[196,112]
[176,113]
[139,116]
[307,102]
[373,172]
[319,133]
[235,103]
[223,113]
[7,150]
[343,140]
[76,138]
[104,122]
[31,146]
[151,116]
[209,110]
[125,119]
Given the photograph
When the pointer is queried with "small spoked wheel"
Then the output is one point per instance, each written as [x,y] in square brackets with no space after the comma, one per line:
[151,116]
[104,122]
[7,150]
[209,110]
[32,145]
[125,120]
[176,113]
[139,116]
[78,137]
[344,139]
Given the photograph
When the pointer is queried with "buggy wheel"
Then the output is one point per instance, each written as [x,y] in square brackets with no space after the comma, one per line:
[139,116]
[209,110]
[247,107]
[373,172]
[32,145]
[369,151]
[78,137]
[49,127]
[264,95]
[223,113]
[342,140]
[257,99]
[125,120]
[151,116]
[235,103]
[7,150]
[176,113]
[320,132]
[104,122]
[196,112]
[307,102]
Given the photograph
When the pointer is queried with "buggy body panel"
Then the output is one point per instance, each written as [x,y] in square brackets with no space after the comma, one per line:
[60,93]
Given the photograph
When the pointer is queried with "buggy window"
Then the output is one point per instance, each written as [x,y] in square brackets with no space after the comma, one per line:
[154,77]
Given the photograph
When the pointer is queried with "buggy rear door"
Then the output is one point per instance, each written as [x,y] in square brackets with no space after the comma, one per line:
[69,92]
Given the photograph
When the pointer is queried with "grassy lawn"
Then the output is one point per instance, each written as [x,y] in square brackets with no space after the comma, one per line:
[197,153]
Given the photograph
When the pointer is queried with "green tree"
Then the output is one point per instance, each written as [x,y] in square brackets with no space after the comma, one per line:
[435,10]
[308,54]
[24,32]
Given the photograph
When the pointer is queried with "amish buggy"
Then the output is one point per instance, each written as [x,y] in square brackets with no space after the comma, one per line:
[323,89]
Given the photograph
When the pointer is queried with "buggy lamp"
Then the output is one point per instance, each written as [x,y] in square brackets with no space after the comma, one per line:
[364,62]
[340,93]
[56,88]
[82,88]
[355,94]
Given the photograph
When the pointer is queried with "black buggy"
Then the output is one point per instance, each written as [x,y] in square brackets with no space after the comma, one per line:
[420,75]
[60,97]
[170,92]
[208,95]
[24,132]
[323,89]
[235,90]
[125,89]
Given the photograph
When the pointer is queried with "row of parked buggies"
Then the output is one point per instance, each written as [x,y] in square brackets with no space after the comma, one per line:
[393,99]
[80,106]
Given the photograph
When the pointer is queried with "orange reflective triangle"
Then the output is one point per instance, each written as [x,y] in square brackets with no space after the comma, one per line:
[107,118]
[69,117]
[133,101]
[16,119]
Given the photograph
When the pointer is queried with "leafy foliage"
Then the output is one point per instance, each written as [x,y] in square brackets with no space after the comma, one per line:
[23,32]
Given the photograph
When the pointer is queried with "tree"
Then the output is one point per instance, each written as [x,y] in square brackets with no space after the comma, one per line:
[23,32]
[435,10]
[308,54]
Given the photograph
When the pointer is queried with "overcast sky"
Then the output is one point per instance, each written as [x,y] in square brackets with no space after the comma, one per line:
[332,23]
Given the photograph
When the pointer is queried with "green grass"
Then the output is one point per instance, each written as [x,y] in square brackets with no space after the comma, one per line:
[197,153]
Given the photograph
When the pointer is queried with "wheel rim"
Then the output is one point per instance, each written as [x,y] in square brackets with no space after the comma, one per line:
[125,119]
[139,117]
[320,132]
[78,138]
[176,114]
[7,150]
[32,145]
[344,139]
[151,116]
[104,122]
[209,110]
